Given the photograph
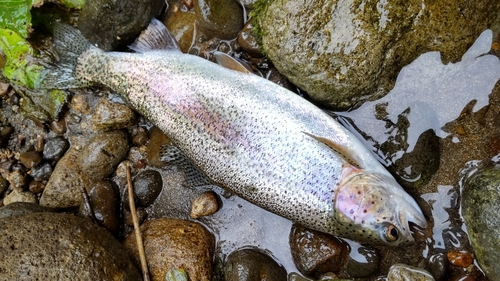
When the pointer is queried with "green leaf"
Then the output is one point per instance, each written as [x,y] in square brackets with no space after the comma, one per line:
[17,51]
[15,15]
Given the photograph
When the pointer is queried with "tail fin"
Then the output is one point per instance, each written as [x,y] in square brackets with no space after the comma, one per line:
[70,45]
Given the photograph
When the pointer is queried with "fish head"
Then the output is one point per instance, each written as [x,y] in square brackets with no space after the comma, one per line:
[374,208]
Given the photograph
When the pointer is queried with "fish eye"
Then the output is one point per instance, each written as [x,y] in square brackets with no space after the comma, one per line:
[391,233]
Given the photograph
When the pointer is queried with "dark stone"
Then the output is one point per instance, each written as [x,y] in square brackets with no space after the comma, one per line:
[36,187]
[21,208]
[55,148]
[112,25]
[51,246]
[30,159]
[438,266]
[42,172]
[368,265]
[100,156]
[315,253]
[252,265]
[147,186]
[104,201]
[59,126]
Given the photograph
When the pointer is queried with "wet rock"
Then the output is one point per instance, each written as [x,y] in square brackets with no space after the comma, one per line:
[5,135]
[21,208]
[58,126]
[39,144]
[4,87]
[141,138]
[403,272]
[112,116]
[55,148]
[417,167]
[36,187]
[438,266]
[222,19]
[315,253]
[30,159]
[142,215]
[121,170]
[81,104]
[3,184]
[462,258]
[252,265]
[50,246]
[204,205]
[63,187]
[112,25]
[18,195]
[363,261]
[104,201]
[42,172]
[480,204]
[297,277]
[100,156]
[17,179]
[173,243]
[147,186]
[180,22]
[344,52]
[248,42]
[157,140]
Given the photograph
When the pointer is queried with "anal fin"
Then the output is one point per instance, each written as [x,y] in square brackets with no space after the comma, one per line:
[174,156]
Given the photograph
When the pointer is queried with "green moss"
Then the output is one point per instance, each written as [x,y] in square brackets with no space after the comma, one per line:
[258,12]
[73,4]
[176,275]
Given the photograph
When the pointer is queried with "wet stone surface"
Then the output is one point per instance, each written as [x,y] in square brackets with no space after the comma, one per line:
[112,116]
[174,243]
[100,156]
[84,251]
[114,25]
[147,186]
[104,204]
[55,148]
[252,265]
[315,253]
[403,272]
[480,204]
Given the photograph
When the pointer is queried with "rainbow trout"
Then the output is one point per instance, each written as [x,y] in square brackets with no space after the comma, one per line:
[248,135]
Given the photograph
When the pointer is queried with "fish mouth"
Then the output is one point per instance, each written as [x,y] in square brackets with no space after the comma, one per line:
[411,219]
[414,213]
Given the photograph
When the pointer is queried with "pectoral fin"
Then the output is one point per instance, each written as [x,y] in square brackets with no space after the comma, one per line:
[227,61]
[348,155]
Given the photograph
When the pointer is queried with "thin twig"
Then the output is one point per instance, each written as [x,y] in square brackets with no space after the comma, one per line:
[138,236]
[86,203]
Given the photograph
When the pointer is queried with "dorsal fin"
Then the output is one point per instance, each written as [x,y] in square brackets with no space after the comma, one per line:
[155,37]
[227,61]
[343,152]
